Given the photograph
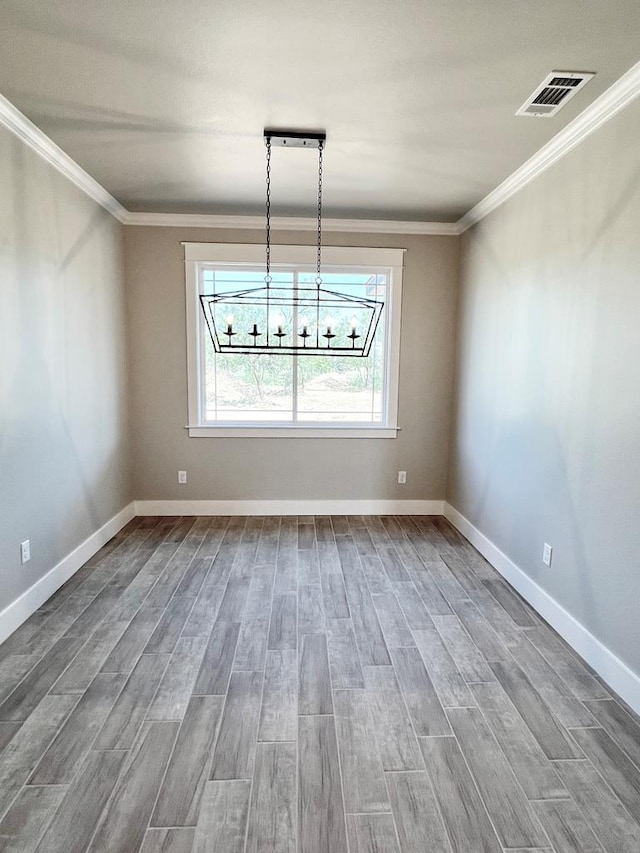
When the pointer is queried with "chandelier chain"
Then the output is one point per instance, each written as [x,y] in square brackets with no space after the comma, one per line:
[268,276]
[319,260]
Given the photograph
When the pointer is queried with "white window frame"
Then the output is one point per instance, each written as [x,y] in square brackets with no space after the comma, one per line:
[229,254]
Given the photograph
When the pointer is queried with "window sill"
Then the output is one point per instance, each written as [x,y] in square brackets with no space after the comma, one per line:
[293,432]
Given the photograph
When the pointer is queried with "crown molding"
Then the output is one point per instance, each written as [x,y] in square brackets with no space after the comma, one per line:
[610,102]
[290,223]
[27,132]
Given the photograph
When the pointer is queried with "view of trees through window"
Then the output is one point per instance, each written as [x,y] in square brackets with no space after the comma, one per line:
[285,389]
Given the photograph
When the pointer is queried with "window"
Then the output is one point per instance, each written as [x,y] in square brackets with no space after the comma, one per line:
[288,395]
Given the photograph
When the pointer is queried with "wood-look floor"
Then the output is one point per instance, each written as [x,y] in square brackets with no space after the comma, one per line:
[309,685]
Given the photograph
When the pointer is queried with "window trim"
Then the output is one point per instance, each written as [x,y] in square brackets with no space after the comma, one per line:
[287,255]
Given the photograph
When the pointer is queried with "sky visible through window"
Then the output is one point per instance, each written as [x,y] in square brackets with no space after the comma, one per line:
[288,389]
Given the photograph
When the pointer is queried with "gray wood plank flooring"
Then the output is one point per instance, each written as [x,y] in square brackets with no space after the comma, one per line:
[340,684]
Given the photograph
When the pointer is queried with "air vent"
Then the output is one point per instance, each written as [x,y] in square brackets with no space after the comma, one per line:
[554,92]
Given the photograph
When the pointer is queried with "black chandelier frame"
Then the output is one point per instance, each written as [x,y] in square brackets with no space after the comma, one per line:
[310,329]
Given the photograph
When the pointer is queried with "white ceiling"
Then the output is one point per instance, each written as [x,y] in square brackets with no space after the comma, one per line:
[164,101]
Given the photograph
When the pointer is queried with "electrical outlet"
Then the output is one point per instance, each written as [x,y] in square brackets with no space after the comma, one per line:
[25,551]
[547,554]
[182,477]
[402,477]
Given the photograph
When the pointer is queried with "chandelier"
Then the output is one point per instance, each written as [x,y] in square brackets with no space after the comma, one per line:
[293,319]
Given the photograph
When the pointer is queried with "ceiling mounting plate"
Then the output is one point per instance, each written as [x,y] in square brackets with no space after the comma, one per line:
[295,138]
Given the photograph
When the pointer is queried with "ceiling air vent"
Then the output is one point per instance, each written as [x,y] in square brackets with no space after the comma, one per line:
[554,92]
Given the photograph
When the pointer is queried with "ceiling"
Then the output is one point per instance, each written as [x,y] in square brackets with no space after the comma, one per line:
[163,102]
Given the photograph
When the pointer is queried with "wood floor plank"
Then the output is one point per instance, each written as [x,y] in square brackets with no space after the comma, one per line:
[335,597]
[273,810]
[568,709]
[604,812]
[314,680]
[363,777]
[279,712]
[412,606]
[311,616]
[175,840]
[573,671]
[28,817]
[125,819]
[513,821]
[194,577]
[215,670]
[392,563]
[516,608]
[181,791]
[450,686]
[622,776]
[344,659]
[394,626]
[91,657]
[236,745]
[469,828]
[429,592]
[321,819]
[480,631]
[416,814]
[534,771]
[306,536]
[620,725]
[375,574]
[168,630]
[222,825]
[13,669]
[251,649]
[32,689]
[369,637]
[27,746]
[554,740]
[60,762]
[283,627]
[7,731]
[131,645]
[173,694]
[234,599]
[396,738]
[127,715]
[74,823]
[468,658]
[566,827]
[419,693]
[372,833]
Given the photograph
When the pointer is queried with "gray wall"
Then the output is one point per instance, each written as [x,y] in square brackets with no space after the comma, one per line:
[546,445]
[224,469]
[64,467]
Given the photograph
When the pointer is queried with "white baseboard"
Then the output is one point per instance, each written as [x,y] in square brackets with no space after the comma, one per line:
[290,507]
[614,671]
[26,604]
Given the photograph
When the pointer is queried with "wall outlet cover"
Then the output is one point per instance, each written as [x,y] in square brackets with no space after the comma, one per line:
[547,554]
[402,477]
[182,477]
[25,551]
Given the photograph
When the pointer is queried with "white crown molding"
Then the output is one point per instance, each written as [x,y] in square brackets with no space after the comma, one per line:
[615,672]
[26,604]
[290,507]
[610,102]
[291,223]
[27,132]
